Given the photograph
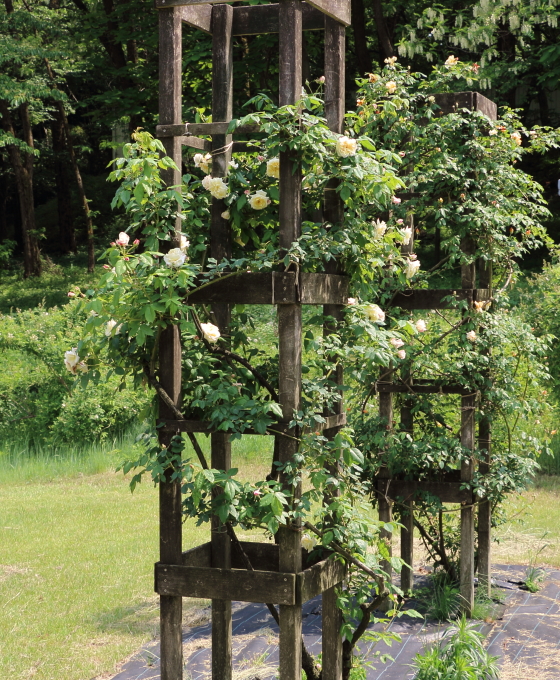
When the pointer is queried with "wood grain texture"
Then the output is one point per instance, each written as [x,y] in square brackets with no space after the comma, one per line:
[447,492]
[434,299]
[219,128]
[196,143]
[257,288]
[407,548]
[336,9]
[222,584]
[399,388]
[259,19]
[318,578]
[452,102]
[198,16]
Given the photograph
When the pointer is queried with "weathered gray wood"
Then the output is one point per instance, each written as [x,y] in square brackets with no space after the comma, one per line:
[451,102]
[219,128]
[320,577]
[259,19]
[198,16]
[336,9]
[170,352]
[333,421]
[201,556]
[447,492]
[433,299]
[220,248]
[170,513]
[384,502]
[275,288]
[399,388]
[221,584]
[407,548]
[484,564]
[196,143]
[289,325]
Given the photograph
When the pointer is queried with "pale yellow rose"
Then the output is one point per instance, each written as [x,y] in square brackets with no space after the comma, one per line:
[259,200]
[391,86]
[174,258]
[211,333]
[375,313]
[273,168]
[346,146]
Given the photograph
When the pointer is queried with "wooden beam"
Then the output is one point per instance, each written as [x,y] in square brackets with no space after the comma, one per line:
[447,492]
[224,584]
[259,19]
[185,129]
[275,288]
[198,16]
[399,388]
[196,143]
[452,102]
[433,299]
[320,577]
[336,9]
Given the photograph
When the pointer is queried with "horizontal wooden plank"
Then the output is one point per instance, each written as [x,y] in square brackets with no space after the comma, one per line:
[324,289]
[198,16]
[225,584]
[447,492]
[451,102]
[433,299]
[336,9]
[220,129]
[196,143]
[259,19]
[318,578]
[338,420]
[270,288]
[201,556]
[178,130]
[163,4]
[396,388]
[263,556]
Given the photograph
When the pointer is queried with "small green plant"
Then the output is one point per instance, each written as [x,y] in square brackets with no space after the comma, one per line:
[445,600]
[460,655]
[534,576]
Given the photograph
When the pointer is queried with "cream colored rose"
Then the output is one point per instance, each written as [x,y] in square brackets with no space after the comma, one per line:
[273,168]
[390,60]
[184,244]
[401,354]
[71,357]
[174,258]
[375,313]
[259,200]
[346,146]
[412,268]
[206,182]
[379,228]
[217,187]
[421,326]
[202,162]
[211,333]
[471,336]
[451,60]
[225,215]
[407,235]
[109,327]
[308,542]
[391,86]
[396,342]
[516,138]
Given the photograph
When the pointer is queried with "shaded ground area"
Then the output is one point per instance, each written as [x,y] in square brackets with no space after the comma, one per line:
[526,638]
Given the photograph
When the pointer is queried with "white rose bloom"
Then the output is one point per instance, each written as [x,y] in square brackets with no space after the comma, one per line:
[217,187]
[345,146]
[109,327]
[273,168]
[451,60]
[471,336]
[198,157]
[234,165]
[206,182]
[396,342]
[226,215]
[259,200]
[391,86]
[174,258]
[184,243]
[308,542]
[406,233]
[421,326]
[380,228]
[123,239]
[202,162]
[211,332]
[71,358]
[375,313]
[412,268]
[351,301]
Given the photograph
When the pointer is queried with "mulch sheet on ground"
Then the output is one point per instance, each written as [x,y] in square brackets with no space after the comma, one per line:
[526,638]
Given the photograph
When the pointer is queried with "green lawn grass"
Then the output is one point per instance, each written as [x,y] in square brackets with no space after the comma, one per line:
[76,564]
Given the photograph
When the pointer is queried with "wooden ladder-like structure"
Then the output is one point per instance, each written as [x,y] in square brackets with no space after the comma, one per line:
[214,570]
[448,490]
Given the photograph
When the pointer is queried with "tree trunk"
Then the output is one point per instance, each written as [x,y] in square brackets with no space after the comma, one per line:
[63,194]
[78,175]
[385,44]
[360,40]
[22,164]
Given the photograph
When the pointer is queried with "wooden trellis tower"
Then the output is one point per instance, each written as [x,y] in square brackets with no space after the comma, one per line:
[214,570]
[449,489]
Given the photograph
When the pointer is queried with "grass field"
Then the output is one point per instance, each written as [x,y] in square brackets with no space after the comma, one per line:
[76,564]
